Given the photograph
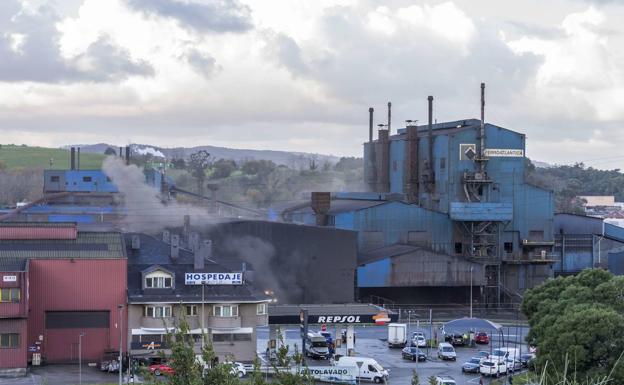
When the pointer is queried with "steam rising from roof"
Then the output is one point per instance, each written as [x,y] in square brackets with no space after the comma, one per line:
[145,209]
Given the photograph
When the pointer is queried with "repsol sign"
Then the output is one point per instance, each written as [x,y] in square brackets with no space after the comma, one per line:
[337,319]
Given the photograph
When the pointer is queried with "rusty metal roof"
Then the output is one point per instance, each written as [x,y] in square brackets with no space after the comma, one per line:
[86,245]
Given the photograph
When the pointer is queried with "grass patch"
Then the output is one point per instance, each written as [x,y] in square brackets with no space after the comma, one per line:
[14,157]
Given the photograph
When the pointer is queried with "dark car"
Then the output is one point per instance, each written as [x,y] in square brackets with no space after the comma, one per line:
[527,360]
[472,365]
[482,338]
[413,353]
[455,339]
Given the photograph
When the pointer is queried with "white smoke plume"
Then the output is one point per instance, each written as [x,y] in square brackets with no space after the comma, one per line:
[145,210]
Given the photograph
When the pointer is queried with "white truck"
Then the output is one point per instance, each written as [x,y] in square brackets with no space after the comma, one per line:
[505,354]
[397,335]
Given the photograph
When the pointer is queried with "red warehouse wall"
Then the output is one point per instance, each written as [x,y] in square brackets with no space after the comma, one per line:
[14,358]
[76,285]
[15,310]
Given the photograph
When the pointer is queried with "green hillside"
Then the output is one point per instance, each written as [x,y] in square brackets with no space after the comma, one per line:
[13,157]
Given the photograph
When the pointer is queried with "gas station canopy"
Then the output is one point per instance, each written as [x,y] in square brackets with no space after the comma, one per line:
[355,314]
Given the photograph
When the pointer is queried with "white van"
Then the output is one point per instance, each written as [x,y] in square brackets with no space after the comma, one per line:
[446,351]
[504,354]
[369,369]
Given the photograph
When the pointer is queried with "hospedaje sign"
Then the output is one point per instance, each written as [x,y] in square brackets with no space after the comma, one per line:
[213,278]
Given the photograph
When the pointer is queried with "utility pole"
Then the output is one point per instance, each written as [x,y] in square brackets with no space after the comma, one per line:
[471,268]
[80,357]
[120,308]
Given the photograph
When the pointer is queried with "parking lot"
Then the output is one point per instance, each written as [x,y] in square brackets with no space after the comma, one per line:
[371,342]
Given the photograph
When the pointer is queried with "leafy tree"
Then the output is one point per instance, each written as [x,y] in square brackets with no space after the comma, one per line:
[415,379]
[432,380]
[198,163]
[579,318]
[178,163]
[223,168]
[258,167]
[349,163]
[110,151]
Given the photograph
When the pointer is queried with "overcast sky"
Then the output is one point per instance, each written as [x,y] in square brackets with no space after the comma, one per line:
[299,75]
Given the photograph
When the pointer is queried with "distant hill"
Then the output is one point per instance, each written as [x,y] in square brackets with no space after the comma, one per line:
[290,159]
[12,157]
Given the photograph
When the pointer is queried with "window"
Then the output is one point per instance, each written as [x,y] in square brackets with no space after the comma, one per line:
[442,163]
[508,247]
[261,309]
[55,178]
[191,310]
[158,280]
[86,179]
[225,310]
[458,248]
[10,294]
[228,337]
[9,340]
[157,311]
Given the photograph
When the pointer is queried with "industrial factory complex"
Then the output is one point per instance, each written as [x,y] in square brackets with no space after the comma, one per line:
[448,209]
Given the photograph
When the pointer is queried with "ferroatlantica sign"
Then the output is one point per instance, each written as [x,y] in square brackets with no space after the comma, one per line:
[213,278]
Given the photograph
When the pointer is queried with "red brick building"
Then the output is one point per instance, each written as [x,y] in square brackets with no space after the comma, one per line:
[76,282]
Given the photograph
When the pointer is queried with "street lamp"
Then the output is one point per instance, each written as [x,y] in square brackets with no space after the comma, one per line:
[120,308]
[471,268]
[409,319]
[80,357]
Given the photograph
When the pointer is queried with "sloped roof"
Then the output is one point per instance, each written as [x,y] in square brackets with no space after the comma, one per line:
[86,245]
[340,206]
[384,252]
[155,252]
[13,264]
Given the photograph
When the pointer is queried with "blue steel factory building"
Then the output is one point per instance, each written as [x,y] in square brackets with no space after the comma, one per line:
[448,209]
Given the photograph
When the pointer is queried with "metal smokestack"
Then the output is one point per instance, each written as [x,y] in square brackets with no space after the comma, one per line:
[482,128]
[389,118]
[120,152]
[430,137]
[72,158]
[127,155]
[78,159]
[370,124]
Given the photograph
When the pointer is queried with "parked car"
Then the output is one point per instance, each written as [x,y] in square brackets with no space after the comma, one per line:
[482,338]
[238,369]
[160,369]
[455,339]
[413,353]
[527,359]
[513,365]
[446,351]
[483,355]
[107,357]
[493,368]
[419,341]
[472,365]
[445,380]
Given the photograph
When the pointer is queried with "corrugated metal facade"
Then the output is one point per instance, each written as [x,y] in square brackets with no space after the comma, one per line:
[38,232]
[75,285]
[14,358]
